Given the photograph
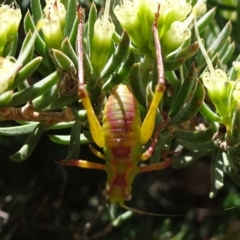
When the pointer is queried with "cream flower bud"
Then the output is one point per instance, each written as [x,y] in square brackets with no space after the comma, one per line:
[200,8]
[10,17]
[5,67]
[236,92]
[54,22]
[217,86]
[176,35]
[101,41]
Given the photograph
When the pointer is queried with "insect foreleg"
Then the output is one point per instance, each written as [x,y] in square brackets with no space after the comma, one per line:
[149,121]
[95,127]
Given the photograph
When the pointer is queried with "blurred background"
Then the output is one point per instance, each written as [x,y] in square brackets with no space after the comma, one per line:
[40,199]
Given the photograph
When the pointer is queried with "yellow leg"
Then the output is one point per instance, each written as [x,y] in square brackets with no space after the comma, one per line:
[148,123]
[95,127]
[82,164]
[96,152]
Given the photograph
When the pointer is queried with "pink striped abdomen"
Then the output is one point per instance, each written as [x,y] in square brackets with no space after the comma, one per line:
[121,120]
[121,127]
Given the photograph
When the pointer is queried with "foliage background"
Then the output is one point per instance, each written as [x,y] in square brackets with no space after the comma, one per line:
[48,201]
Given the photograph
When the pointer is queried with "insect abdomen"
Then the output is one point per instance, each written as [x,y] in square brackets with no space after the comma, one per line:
[121,127]
[121,120]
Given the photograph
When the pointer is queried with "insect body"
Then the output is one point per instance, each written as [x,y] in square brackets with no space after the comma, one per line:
[121,135]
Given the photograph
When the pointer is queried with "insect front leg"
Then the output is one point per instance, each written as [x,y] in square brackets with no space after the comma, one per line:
[95,127]
[149,121]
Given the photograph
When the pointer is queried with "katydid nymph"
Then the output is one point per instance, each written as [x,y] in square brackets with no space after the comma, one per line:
[122,134]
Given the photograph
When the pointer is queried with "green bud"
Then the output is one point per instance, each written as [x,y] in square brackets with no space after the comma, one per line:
[236,92]
[10,17]
[216,84]
[175,36]
[236,66]
[200,8]
[171,11]
[5,67]
[54,22]
[101,41]
[137,16]
[127,16]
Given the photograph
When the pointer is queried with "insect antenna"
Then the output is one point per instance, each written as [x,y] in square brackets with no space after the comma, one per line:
[203,213]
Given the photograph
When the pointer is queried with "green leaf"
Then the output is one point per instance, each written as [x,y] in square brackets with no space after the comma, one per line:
[173,64]
[61,102]
[191,107]
[61,125]
[202,146]
[208,113]
[62,60]
[5,98]
[69,51]
[229,165]
[74,147]
[184,92]
[90,30]
[216,172]
[26,71]
[221,39]
[73,34]
[65,140]
[45,99]
[36,10]
[162,141]
[29,145]
[35,90]
[79,113]
[206,19]
[136,84]
[18,130]
[39,43]
[185,53]
[229,53]
[194,136]
[117,58]
[70,17]
[121,74]
[24,45]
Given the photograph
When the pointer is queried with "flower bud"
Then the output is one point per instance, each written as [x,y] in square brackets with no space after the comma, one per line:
[101,41]
[10,17]
[218,90]
[200,8]
[175,36]
[54,22]
[5,67]
[236,66]
[137,16]
[127,16]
